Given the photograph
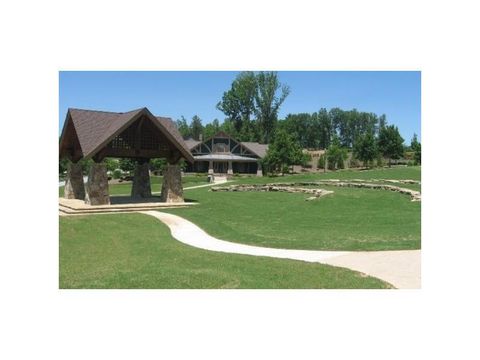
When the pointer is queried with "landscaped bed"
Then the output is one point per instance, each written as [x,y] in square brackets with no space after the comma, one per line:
[137,251]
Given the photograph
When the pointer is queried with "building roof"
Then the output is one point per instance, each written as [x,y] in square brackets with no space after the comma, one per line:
[257,148]
[224,157]
[95,129]
[191,143]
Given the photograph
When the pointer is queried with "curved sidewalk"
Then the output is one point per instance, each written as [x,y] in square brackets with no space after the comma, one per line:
[400,268]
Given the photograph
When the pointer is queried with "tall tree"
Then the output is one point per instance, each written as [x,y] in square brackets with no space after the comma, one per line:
[336,155]
[382,122]
[211,129]
[238,103]
[326,129]
[196,127]
[365,148]
[416,147]
[183,127]
[268,102]
[390,143]
[300,127]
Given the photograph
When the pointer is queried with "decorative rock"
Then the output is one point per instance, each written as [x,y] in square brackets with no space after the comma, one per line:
[295,187]
[96,188]
[172,190]
[74,186]
[141,182]
[274,187]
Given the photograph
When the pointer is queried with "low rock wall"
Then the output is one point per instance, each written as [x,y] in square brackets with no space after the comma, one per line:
[316,193]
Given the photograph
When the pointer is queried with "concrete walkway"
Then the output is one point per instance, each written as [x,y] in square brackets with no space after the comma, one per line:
[399,268]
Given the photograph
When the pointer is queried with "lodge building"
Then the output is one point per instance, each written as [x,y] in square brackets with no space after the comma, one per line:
[222,154]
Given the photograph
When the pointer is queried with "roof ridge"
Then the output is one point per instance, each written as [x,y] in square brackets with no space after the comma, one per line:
[106,112]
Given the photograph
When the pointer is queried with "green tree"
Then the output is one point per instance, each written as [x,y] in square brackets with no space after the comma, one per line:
[211,129]
[390,143]
[416,147]
[127,164]
[325,128]
[268,102]
[238,103]
[183,127]
[158,164]
[282,152]
[112,164]
[196,127]
[336,155]
[365,149]
[62,166]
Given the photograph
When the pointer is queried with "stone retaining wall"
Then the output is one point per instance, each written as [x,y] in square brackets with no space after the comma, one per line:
[316,193]
[415,195]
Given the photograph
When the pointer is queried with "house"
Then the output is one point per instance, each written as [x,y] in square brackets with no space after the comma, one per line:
[222,154]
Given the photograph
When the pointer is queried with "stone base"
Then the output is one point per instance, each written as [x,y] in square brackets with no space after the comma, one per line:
[172,190]
[141,182]
[74,186]
[96,188]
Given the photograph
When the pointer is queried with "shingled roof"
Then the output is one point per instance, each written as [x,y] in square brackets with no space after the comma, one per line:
[257,148]
[95,129]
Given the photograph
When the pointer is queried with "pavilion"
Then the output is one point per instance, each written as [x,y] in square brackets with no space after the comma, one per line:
[137,134]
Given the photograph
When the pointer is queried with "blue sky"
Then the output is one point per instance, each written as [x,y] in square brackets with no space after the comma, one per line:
[188,93]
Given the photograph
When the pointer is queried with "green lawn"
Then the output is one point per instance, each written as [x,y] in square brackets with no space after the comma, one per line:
[137,251]
[155,181]
[349,219]
[396,173]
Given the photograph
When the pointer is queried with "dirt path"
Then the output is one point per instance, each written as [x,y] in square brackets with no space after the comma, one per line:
[400,268]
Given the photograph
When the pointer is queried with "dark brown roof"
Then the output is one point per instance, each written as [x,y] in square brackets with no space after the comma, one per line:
[94,129]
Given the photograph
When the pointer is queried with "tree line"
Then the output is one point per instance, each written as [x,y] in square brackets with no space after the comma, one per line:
[251,107]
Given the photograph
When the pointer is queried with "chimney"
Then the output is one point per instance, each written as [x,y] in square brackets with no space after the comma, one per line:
[200,137]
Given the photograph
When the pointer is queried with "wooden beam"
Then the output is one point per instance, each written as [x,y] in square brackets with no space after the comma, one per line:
[138,135]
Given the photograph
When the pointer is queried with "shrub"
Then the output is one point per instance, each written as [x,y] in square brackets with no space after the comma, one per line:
[380,161]
[321,161]
[117,174]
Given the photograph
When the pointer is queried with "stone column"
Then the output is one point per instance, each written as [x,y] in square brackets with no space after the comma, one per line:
[96,188]
[141,181]
[210,167]
[230,169]
[74,186]
[259,169]
[172,190]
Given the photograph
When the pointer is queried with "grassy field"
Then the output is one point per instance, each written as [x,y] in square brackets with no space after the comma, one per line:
[349,219]
[155,181]
[137,251]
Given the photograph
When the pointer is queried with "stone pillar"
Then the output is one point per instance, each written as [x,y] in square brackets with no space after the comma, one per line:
[210,167]
[96,188]
[172,190]
[230,169]
[74,186]
[259,169]
[141,181]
